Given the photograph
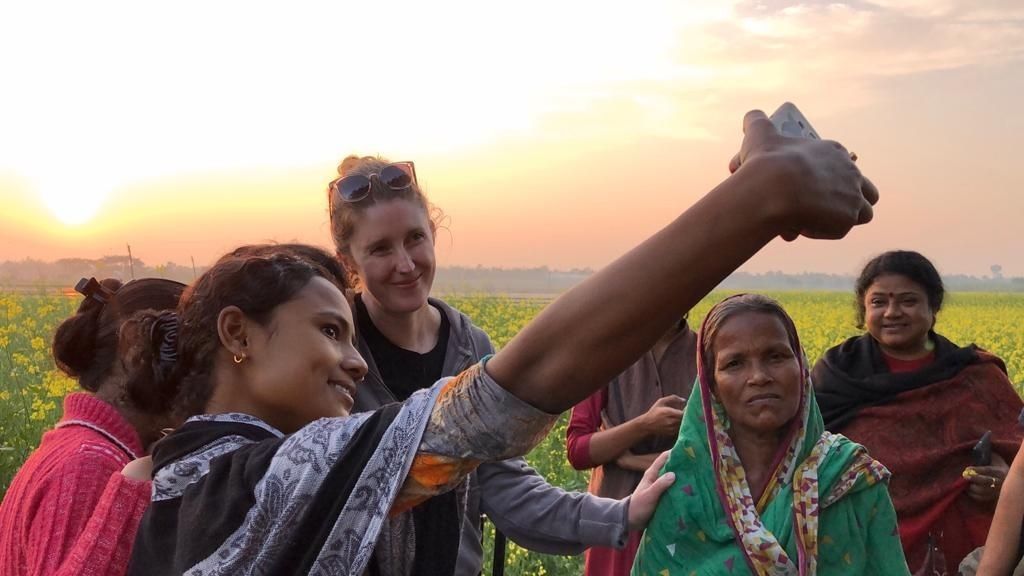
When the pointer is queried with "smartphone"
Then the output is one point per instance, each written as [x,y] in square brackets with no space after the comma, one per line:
[981,454]
[791,122]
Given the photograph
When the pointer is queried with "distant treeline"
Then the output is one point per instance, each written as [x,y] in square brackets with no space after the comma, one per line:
[67,271]
[29,275]
[814,281]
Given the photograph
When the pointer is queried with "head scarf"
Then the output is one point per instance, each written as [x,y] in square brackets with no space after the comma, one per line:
[709,524]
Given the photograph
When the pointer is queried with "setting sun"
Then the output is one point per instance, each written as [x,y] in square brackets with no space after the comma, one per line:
[73,200]
[573,116]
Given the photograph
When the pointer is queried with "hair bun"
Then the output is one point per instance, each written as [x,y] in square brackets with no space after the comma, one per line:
[350,162]
[149,352]
[74,342]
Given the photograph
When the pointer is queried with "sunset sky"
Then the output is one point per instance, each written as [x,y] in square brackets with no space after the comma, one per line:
[554,133]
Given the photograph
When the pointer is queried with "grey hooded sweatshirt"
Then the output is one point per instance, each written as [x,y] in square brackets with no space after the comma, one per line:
[520,503]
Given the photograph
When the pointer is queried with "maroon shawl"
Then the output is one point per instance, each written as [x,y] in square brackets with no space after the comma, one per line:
[923,430]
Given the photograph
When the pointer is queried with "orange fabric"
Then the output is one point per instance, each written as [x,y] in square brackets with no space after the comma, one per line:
[429,476]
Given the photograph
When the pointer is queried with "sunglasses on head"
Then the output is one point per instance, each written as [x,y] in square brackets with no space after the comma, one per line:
[396,176]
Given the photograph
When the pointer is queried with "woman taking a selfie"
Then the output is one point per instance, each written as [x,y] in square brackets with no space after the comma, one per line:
[261,357]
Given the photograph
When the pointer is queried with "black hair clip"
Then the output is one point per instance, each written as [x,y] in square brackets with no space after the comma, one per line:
[90,288]
[164,333]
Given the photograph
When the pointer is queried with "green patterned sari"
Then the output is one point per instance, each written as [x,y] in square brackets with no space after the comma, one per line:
[826,509]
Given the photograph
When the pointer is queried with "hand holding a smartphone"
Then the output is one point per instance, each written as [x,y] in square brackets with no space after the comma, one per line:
[986,476]
[804,166]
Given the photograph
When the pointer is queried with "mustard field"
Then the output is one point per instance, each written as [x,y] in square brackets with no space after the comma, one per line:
[31,389]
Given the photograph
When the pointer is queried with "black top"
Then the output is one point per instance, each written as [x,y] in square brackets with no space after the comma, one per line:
[437,521]
[403,371]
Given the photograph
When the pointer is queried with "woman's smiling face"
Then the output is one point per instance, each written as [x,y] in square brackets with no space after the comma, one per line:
[392,250]
[302,364]
[898,315]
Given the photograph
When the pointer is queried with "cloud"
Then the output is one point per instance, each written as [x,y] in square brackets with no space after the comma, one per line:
[863,40]
[141,90]
[840,55]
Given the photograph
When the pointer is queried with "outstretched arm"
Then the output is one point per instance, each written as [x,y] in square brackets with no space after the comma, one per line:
[545,518]
[781,186]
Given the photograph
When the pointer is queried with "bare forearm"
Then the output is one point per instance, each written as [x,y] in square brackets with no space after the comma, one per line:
[636,462]
[607,445]
[1004,534]
[608,325]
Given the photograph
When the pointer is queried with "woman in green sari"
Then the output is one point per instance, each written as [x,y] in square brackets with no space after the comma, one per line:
[761,487]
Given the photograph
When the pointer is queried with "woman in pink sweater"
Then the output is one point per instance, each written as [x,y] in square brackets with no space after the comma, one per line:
[70,509]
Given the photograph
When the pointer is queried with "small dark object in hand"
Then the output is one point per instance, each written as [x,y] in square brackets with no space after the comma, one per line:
[982,452]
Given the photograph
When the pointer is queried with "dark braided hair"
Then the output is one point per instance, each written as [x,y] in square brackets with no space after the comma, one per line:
[255,280]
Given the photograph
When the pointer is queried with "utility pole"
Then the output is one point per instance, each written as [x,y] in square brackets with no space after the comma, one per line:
[194,275]
[131,262]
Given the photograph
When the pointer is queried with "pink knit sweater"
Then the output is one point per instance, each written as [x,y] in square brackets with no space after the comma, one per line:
[69,510]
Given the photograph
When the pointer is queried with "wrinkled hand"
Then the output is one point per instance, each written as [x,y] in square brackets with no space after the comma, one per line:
[663,418]
[139,469]
[822,193]
[987,481]
[647,494]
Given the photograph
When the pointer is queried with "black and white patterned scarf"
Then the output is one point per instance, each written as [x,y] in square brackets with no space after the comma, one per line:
[232,495]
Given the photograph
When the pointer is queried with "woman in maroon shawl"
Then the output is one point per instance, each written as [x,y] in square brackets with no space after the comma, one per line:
[920,404]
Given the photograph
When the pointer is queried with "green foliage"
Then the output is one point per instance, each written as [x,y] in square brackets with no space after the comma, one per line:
[31,388]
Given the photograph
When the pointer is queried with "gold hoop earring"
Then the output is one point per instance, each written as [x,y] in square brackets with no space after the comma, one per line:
[238,359]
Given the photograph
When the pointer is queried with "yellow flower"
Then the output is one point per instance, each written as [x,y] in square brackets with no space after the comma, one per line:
[13,309]
[58,385]
[41,410]
[38,343]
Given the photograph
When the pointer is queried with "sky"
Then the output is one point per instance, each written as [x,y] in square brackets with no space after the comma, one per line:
[549,133]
